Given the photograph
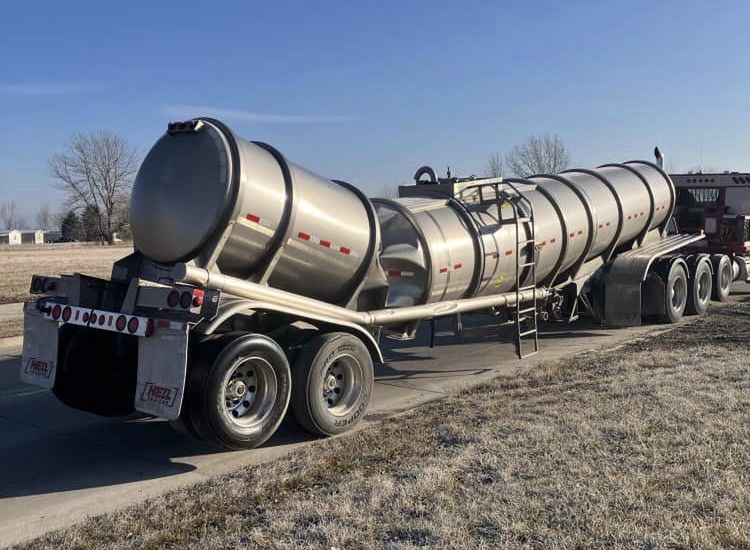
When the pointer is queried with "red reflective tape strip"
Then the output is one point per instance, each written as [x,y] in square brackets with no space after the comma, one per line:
[443,270]
[253,218]
[508,252]
[458,266]
[327,244]
[345,250]
[304,236]
[394,272]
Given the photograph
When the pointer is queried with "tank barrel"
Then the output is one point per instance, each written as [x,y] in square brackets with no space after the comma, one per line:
[249,222]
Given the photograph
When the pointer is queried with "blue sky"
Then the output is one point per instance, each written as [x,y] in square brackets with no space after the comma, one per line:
[369,91]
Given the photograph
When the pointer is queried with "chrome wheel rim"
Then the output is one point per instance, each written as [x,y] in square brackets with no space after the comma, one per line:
[249,390]
[704,287]
[342,385]
[725,276]
[678,293]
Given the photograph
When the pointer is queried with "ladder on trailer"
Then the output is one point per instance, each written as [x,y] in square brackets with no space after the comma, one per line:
[524,312]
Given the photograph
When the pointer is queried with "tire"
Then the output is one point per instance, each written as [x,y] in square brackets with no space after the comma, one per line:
[238,391]
[332,382]
[675,293]
[723,275]
[699,287]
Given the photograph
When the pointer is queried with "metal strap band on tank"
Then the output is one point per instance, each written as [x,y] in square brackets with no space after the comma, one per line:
[652,211]
[524,273]
[670,185]
[226,214]
[281,235]
[476,276]
[584,198]
[565,238]
[463,212]
[401,209]
[369,255]
[618,201]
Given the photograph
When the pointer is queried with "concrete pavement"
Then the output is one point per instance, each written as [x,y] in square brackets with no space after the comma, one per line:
[58,465]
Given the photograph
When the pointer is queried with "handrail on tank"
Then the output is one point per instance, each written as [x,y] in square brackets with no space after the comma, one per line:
[231,285]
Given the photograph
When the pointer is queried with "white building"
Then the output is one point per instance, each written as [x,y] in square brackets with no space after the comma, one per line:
[32,236]
[10,237]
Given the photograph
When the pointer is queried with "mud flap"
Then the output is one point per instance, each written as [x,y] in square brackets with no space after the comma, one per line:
[39,357]
[162,364]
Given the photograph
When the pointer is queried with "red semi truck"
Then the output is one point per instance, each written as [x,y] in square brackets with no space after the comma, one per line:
[719,205]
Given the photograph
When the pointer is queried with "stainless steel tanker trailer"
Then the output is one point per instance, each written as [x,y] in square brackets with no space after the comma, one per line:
[258,286]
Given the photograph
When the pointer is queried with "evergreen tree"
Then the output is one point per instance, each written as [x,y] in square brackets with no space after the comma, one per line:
[90,224]
[70,227]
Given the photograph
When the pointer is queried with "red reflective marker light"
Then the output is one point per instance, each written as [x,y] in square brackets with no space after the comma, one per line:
[149,327]
[56,311]
[133,325]
[186,299]
[121,323]
[197,297]
[173,298]
[67,312]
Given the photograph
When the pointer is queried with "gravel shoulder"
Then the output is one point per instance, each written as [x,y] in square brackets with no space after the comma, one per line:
[644,446]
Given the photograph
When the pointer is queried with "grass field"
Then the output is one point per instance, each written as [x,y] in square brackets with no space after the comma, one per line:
[18,263]
[647,446]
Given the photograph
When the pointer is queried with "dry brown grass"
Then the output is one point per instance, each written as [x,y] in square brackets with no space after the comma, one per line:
[11,327]
[19,263]
[644,447]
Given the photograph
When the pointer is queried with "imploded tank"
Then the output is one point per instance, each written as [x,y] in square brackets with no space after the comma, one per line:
[450,239]
[204,195]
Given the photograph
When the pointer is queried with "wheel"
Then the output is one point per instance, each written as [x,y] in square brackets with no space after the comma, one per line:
[238,391]
[675,293]
[723,275]
[699,287]
[332,383]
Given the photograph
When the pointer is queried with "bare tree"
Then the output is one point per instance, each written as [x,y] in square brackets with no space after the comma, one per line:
[495,166]
[542,154]
[44,218]
[97,172]
[9,215]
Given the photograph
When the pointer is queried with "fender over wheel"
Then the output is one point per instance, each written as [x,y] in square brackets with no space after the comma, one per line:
[332,382]
[237,392]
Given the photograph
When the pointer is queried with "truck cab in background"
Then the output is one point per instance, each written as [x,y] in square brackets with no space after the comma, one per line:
[719,205]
